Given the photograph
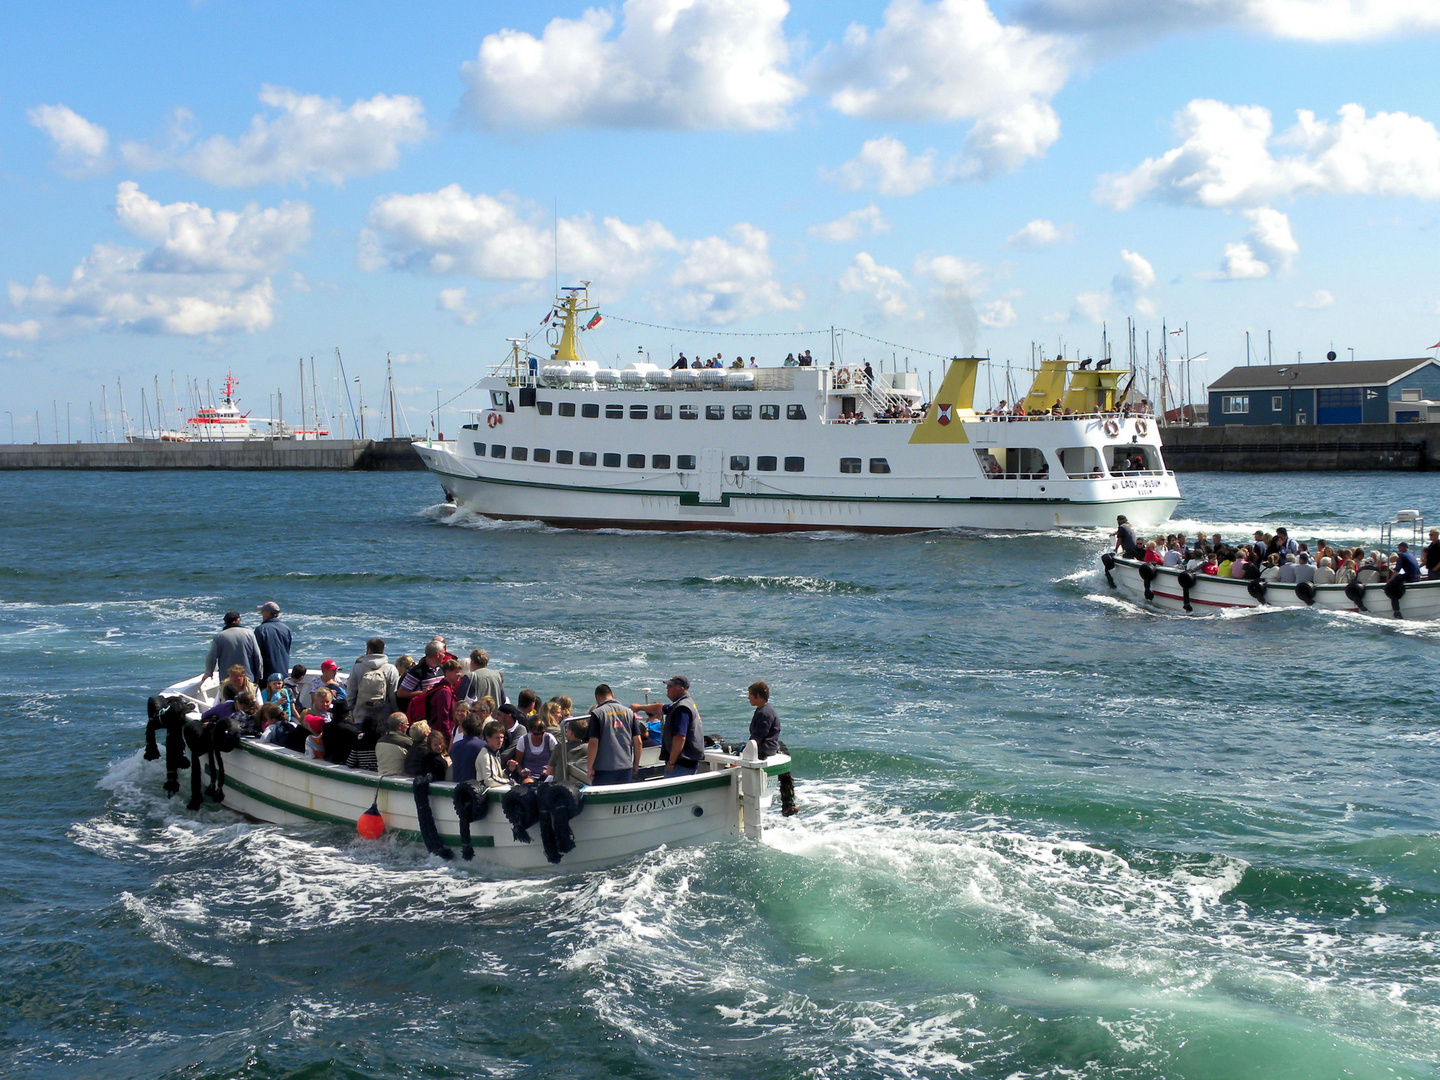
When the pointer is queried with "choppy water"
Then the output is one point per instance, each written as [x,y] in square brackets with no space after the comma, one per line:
[1045,833]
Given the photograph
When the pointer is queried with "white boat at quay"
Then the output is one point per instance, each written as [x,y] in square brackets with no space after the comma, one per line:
[727,798]
[776,449]
[1175,589]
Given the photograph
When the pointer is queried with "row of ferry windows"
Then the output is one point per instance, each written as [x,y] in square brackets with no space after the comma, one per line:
[661,462]
[667,412]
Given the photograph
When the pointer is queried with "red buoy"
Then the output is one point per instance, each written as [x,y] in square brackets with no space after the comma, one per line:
[371,824]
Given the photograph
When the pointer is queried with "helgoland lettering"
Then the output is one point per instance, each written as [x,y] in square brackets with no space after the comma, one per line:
[647,806]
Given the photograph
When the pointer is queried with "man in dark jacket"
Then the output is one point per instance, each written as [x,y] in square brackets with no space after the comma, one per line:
[273,637]
[764,725]
[235,645]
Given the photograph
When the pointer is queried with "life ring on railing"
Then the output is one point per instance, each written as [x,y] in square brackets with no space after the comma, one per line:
[1355,593]
[494,419]
[842,378]
[1305,590]
[1395,589]
[1141,427]
[1112,428]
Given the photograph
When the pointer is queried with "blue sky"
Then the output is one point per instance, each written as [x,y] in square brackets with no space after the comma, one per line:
[192,188]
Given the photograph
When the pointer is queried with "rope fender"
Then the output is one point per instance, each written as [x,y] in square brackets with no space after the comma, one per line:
[168,715]
[471,804]
[1395,589]
[1187,581]
[428,832]
[558,803]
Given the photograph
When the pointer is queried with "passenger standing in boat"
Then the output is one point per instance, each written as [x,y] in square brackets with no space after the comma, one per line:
[371,687]
[1405,563]
[483,679]
[1283,544]
[1432,555]
[421,679]
[273,637]
[764,725]
[235,644]
[440,705]
[1125,538]
[613,741]
[682,741]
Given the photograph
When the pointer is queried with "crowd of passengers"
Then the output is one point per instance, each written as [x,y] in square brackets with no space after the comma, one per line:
[1057,411]
[1277,557]
[446,718]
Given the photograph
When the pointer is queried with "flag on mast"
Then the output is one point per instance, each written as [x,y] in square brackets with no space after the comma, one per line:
[1436,345]
[596,321]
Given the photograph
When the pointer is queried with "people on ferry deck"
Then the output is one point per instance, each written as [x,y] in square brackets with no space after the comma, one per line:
[614,739]
[362,754]
[275,691]
[764,725]
[275,727]
[532,753]
[1224,561]
[1152,554]
[1287,572]
[682,740]
[681,364]
[696,364]
[1432,554]
[421,679]
[235,644]
[466,750]
[1241,563]
[440,704]
[529,705]
[1284,544]
[482,680]
[1324,572]
[1125,538]
[752,363]
[552,717]
[567,761]
[738,363]
[1405,564]
[273,638]
[371,685]
[490,766]
[1367,572]
[457,716]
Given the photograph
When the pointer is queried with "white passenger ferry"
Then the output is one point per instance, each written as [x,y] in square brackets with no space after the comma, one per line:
[795,448]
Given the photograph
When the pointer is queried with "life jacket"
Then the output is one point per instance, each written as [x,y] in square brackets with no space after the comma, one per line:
[694,750]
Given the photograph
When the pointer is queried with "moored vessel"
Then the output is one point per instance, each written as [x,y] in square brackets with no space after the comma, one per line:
[776,449]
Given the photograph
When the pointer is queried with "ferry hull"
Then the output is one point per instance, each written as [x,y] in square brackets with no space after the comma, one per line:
[568,507]
[1209,594]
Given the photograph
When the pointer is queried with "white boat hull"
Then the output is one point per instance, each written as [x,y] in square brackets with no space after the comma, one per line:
[1209,594]
[272,784]
[947,503]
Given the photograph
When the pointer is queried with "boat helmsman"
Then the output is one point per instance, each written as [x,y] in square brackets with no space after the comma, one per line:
[682,740]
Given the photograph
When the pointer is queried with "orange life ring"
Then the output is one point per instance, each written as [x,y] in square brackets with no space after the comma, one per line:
[842,378]
[1112,428]
[494,419]
[1141,427]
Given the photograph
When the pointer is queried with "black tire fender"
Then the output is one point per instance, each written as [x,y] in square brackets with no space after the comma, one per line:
[1187,582]
[1305,590]
[1355,593]
[1256,588]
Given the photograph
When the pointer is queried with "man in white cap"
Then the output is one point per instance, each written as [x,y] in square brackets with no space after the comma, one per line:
[273,637]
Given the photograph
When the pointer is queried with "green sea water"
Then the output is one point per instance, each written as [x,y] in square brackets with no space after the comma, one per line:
[1044,833]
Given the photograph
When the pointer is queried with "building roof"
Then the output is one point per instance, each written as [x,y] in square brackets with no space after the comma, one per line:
[1331,373]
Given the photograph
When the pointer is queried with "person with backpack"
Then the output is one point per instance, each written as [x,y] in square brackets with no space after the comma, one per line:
[371,687]
[415,685]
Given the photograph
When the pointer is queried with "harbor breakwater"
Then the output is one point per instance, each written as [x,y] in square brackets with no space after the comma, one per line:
[375,455]
[1281,448]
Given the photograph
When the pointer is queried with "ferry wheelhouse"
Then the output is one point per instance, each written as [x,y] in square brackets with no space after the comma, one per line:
[795,448]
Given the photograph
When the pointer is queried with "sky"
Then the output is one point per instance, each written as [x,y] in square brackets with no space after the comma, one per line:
[189,189]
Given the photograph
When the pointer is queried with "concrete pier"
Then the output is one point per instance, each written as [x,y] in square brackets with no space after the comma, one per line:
[333,454]
[1285,448]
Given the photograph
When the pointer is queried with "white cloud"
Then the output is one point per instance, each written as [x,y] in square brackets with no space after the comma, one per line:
[80,146]
[1093,305]
[1319,302]
[1138,275]
[312,138]
[1241,264]
[1039,233]
[1270,234]
[722,280]
[454,301]
[502,239]
[1225,158]
[953,60]
[673,64]
[1131,285]
[884,285]
[29,330]
[1305,20]
[998,314]
[884,165]
[206,271]
[851,226]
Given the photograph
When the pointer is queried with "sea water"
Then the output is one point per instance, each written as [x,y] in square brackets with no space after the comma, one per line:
[1043,832]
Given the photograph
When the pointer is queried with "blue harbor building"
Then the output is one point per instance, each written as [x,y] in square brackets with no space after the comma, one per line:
[1337,392]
